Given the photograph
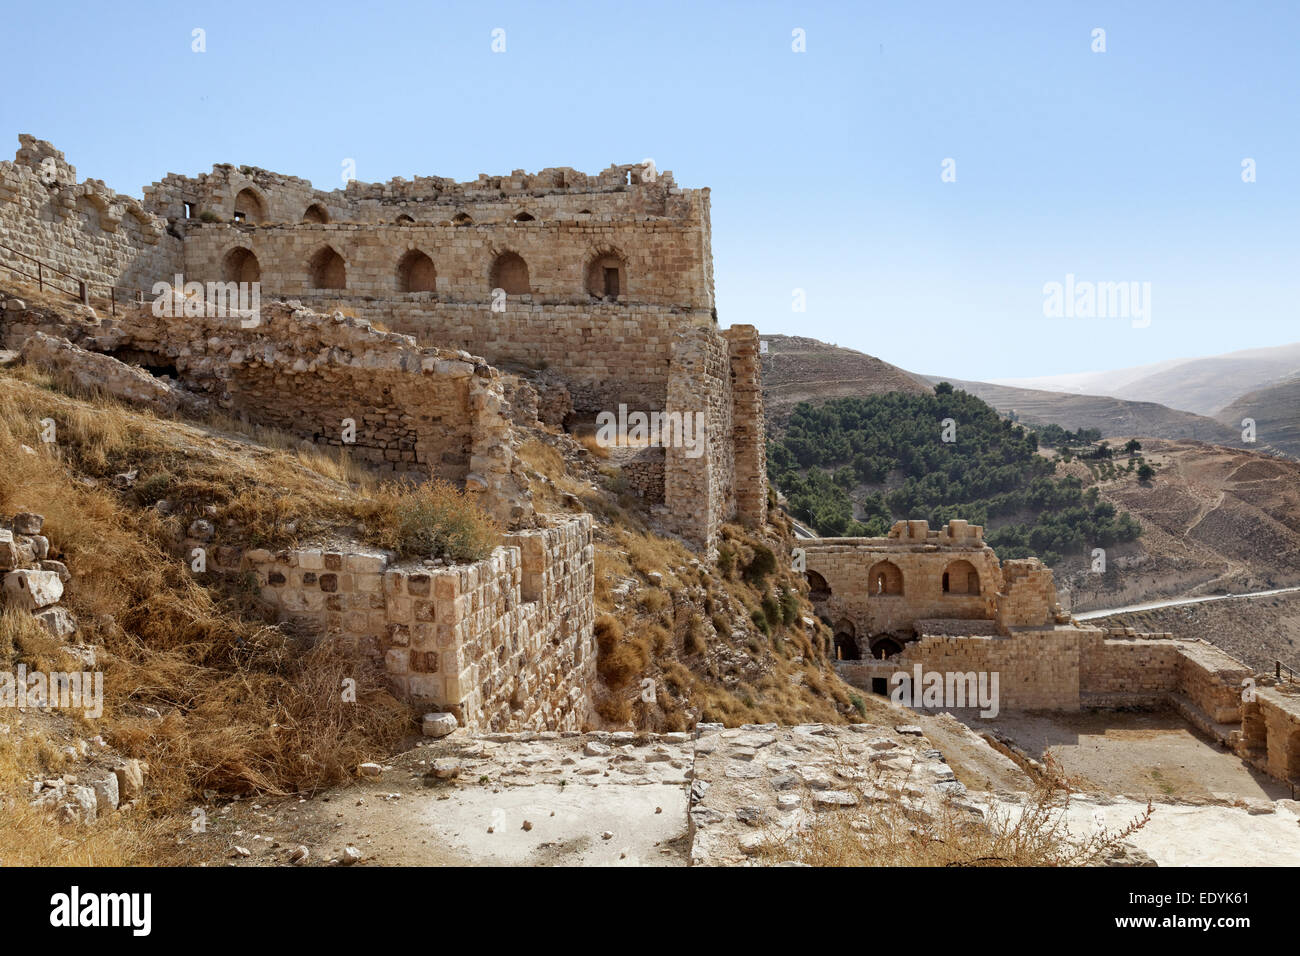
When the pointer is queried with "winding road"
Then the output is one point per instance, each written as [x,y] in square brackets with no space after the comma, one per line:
[1152,605]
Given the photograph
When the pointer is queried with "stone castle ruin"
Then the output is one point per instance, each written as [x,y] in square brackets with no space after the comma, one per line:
[428,324]
[579,293]
[941,601]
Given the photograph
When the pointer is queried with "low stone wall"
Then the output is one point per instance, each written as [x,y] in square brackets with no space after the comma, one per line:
[505,643]
[1037,670]
[1271,732]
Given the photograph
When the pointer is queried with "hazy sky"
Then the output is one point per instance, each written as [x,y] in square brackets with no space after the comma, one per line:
[825,166]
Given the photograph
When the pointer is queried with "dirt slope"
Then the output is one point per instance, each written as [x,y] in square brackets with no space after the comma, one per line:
[1214,520]
[798,369]
[1276,411]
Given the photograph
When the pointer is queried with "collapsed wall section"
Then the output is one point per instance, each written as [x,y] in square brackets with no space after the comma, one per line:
[336,381]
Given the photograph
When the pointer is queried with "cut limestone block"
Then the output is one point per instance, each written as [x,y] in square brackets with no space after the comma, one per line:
[9,558]
[438,725]
[32,590]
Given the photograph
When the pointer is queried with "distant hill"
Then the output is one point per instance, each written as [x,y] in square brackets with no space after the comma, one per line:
[1200,385]
[1110,416]
[798,369]
[1276,411]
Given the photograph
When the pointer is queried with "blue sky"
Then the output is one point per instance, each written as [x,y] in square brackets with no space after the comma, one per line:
[824,165]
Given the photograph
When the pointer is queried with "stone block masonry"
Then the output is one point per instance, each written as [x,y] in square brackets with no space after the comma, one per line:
[505,643]
[604,282]
[423,411]
[84,229]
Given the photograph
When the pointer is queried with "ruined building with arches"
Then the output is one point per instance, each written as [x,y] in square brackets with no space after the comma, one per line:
[585,291]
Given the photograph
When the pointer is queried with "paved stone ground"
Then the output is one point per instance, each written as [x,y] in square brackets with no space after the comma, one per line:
[709,798]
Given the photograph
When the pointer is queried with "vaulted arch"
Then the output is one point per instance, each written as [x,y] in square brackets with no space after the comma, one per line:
[249,206]
[884,579]
[327,269]
[960,577]
[510,273]
[316,213]
[241,265]
[416,273]
[818,588]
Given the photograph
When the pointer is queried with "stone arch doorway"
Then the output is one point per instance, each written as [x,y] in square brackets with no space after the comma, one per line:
[606,276]
[846,642]
[249,207]
[328,270]
[960,577]
[818,589]
[240,265]
[883,647]
[416,273]
[884,579]
[510,273]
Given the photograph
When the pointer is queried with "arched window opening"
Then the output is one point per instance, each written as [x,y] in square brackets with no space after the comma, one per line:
[510,272]
[525,217]
[884,578]
[960,577]
[328,270]
[462,219]
[818,589]
[606,276]
[316,213]
[415,273]
[884,647]
[249,207]
[240,265]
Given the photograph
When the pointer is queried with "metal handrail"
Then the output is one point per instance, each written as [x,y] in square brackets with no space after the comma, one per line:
[83,286]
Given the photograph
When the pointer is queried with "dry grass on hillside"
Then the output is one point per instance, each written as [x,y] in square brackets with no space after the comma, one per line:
[243,707]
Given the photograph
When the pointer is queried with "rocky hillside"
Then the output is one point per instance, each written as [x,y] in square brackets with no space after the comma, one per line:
[1276,411]
[798,369]
[1214,521]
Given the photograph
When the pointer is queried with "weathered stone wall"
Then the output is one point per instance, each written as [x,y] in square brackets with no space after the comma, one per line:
[420,410]
[1037,670]
[659,260]
[604,353]
[1271,732]
[84,229]
[1069,667]
[878,585]
[505,643]
[748,425]
[699,492]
